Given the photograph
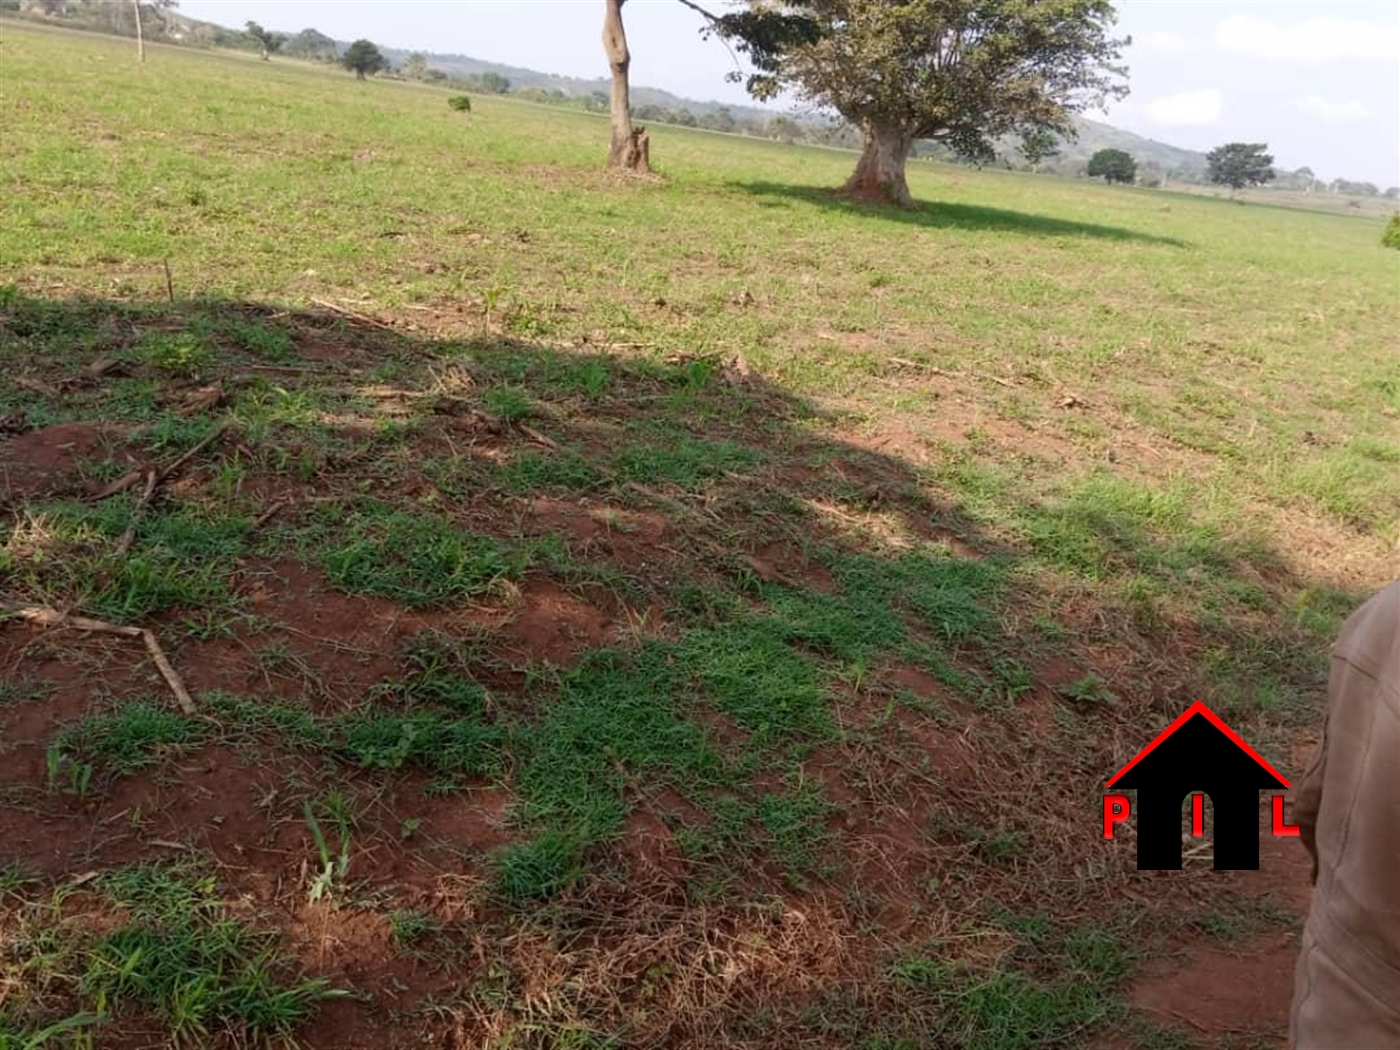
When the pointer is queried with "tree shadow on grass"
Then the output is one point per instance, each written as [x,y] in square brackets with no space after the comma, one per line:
[942,215]
[824,664]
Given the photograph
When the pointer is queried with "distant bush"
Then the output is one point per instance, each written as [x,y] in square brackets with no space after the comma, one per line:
[460,102]
[1391,237]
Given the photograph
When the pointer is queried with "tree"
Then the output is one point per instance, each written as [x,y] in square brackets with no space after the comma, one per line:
[493,83]
[311,43]
[1239,164]
[719,119]
[363,59]
[1039,145]
[415,66]
[630,147]
[958,72]
[1114,165]
[1392,193]
[1390,237]
[268,42]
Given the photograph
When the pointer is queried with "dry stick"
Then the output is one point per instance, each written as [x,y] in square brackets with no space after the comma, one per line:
[37,386]
[129,536]
[223,428]
[269,514]
[46,616]
[169,284]
[167,672]
[353,314]
[120,485]
[153,479]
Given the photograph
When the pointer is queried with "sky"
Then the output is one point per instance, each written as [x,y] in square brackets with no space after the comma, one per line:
[1318,81]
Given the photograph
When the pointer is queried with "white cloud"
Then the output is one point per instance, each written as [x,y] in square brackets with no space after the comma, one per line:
[1313,40]
[1189,107]
[1332,112]
[1161,42]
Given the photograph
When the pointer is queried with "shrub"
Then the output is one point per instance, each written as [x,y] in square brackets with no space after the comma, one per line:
[460,102]
[1391,237]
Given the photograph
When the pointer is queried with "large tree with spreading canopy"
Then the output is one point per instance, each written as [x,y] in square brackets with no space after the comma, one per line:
[960,72]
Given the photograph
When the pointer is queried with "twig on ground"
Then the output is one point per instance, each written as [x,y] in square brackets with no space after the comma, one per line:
[49,617]
[269,514]
[289,369]
[535,436]
[169,282]
[354,315]
[282,504]
[172,679]
[36,386]
[168,471]
[129,536]
[120,485]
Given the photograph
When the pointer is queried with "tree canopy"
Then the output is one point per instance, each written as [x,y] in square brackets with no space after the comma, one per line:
[1240,164]
[1038,145]
[958,72]
[363,59]
[1113,165]
[311,43]
[492,82]
[268,42]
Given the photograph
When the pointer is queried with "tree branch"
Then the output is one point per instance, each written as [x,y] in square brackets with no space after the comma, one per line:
[718,26]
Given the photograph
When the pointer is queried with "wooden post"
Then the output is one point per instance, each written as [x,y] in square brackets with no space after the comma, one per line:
[140,40]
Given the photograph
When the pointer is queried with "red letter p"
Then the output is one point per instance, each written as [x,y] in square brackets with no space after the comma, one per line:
[1115,811]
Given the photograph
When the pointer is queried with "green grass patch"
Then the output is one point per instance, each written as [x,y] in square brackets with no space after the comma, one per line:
[414,558]
[131,738]
[183,957]
[671,454]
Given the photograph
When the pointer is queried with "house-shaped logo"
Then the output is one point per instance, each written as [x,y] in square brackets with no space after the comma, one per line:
[1197,755]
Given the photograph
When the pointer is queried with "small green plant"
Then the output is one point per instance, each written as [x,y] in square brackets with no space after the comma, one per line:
[461,103]
[334,867]
[410,927]
[178,353]
[510,403]
[1391,237]
[1087,692]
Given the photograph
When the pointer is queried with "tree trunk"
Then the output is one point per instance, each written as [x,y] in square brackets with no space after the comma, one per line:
[630,148]
[879,175]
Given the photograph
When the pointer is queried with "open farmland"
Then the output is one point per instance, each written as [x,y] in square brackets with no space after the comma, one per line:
[688,613]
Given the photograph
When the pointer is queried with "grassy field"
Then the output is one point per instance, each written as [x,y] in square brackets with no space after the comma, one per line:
[687,613]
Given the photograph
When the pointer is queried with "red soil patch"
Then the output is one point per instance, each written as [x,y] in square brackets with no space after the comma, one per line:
[43,462]
[1219,992]
[651,847]
[779,563]
[554,625]
[1224,990]
[469,823]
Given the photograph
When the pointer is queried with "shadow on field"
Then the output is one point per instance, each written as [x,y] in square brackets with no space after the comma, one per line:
[948,215]
[745,694]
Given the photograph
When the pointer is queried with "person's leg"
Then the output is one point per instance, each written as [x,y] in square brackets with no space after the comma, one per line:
[1331,1011]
